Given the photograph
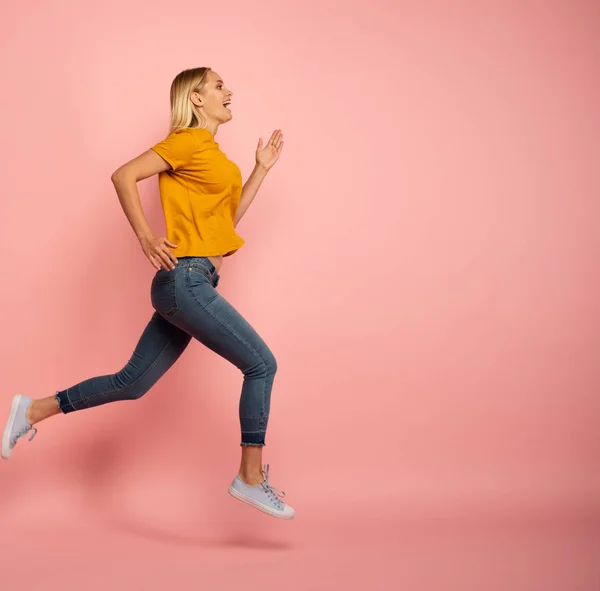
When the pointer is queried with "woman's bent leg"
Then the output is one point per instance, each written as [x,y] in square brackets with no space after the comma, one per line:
[160,345]
[212,320]
[190,300]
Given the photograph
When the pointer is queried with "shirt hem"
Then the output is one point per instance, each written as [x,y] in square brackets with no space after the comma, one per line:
[222,253]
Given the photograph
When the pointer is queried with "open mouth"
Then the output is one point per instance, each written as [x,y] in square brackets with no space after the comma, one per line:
[226,104]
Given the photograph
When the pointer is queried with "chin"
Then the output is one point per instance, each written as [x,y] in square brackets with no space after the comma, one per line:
[227,117]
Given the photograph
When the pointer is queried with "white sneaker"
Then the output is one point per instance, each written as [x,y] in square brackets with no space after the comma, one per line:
[17,425]
[263,497]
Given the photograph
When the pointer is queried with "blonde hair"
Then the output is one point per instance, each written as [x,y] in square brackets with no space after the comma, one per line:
[183,112]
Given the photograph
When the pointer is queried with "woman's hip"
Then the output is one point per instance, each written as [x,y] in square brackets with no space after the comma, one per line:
[187,297]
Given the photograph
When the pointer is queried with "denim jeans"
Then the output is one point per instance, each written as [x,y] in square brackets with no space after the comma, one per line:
[188,305]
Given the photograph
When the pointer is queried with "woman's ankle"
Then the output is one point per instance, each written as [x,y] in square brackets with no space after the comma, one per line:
[252,477]
[41,409]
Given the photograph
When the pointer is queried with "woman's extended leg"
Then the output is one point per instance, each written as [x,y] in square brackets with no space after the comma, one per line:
[160,345]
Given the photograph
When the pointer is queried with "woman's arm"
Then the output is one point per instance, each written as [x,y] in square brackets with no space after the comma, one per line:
[265,159]
[125,180]
[249,191]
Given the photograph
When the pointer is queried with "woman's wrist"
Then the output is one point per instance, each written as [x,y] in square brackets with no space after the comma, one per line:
[145,235]
[260,169]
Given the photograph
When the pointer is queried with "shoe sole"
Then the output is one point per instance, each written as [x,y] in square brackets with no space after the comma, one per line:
[6,451]
[249,501]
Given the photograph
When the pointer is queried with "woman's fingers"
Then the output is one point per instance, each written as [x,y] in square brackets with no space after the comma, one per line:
[166,260]
[162,259]
[160,255]
[154,262]
[171,256]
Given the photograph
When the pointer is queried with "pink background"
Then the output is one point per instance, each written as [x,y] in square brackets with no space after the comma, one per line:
[423,261]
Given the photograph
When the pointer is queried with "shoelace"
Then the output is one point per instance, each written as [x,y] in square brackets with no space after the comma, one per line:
[22,432]
[274,493]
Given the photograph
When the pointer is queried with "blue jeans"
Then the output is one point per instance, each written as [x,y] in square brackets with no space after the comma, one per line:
[188,305]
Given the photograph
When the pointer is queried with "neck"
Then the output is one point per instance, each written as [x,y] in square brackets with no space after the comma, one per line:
[212,127]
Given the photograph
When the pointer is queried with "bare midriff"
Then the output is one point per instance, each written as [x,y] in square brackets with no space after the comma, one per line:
[216,261]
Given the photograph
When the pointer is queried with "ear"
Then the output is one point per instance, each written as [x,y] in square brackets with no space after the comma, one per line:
[196,99]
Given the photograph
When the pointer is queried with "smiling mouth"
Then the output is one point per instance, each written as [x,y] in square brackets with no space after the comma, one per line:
[226,104]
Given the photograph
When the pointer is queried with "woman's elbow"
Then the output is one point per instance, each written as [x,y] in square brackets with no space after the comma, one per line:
[120,175]
[116,175]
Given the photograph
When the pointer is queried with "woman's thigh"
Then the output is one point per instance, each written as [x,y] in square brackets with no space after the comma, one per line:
[207,316]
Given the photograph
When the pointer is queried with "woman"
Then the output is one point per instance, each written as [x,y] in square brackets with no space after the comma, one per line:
[203,200]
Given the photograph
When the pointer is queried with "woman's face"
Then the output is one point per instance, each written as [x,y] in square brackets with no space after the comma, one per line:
[212,99]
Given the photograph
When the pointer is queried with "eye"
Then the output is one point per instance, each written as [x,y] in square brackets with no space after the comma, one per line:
[220,86]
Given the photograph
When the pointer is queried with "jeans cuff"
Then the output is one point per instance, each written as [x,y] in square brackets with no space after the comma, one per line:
[256,438]
[64,404]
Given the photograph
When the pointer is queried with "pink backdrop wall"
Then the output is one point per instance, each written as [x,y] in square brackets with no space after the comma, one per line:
[423,260]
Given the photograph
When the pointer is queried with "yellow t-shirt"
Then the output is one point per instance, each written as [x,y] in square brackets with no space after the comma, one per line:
[200,195]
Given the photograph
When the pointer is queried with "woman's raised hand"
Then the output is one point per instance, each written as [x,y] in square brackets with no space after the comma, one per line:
[267,156]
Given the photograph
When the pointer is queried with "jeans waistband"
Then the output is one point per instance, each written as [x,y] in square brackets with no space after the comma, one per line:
[204,261]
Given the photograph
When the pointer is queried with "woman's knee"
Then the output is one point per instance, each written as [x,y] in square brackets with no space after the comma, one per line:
[271,364]
[265,366]
[128,385]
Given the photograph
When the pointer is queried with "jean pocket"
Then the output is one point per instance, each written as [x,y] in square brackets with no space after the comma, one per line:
[201,285]
[162,294]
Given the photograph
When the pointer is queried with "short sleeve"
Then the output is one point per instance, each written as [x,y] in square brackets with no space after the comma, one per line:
[177,149]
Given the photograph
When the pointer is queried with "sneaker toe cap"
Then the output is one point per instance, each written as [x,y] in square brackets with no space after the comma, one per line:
[288,512]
